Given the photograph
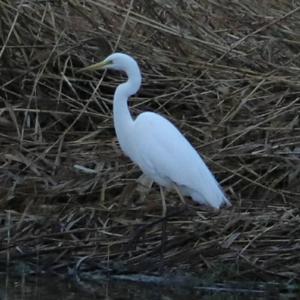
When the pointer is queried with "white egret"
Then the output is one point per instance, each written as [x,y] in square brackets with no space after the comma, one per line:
[155,144]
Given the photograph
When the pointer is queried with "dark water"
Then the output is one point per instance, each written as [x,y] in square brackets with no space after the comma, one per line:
[44,288]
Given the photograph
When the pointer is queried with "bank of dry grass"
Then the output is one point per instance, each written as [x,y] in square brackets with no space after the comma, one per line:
[226,72]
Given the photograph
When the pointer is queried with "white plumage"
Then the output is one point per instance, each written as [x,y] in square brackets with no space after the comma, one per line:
[156,145]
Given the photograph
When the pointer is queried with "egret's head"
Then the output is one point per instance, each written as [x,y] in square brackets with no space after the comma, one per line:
[115,61]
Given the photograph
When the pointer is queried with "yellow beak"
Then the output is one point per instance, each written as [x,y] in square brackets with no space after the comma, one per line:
[98,66]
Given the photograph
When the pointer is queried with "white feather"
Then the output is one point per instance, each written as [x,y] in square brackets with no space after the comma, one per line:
[156,145]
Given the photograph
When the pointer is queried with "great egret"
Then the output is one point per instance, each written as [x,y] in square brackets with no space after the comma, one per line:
[155,144]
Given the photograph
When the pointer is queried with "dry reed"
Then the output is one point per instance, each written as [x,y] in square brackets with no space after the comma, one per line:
[226,72]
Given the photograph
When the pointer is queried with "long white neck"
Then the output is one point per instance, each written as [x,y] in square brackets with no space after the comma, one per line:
[123,120]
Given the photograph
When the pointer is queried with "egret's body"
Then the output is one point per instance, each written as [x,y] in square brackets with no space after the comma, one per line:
[156,145]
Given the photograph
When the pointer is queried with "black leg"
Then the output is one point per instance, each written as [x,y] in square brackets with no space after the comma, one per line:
[163,229]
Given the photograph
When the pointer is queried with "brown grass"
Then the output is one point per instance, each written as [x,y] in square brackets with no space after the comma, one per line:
[226,72]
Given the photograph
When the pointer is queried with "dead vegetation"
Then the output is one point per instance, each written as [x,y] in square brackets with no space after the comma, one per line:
[226,72]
